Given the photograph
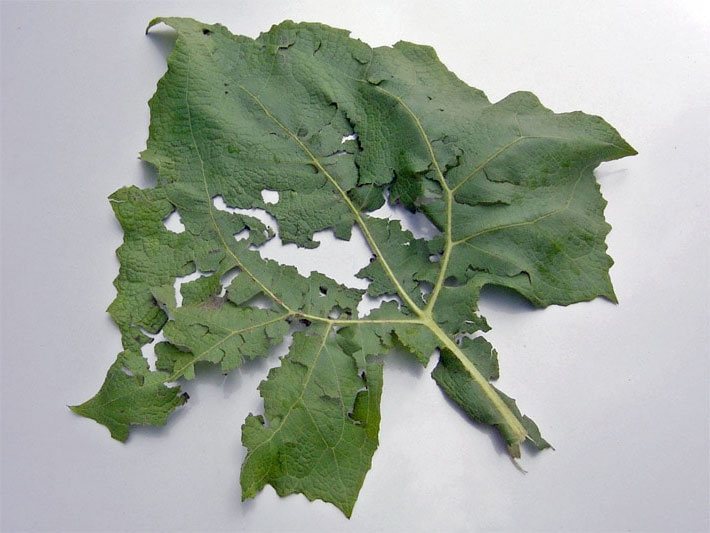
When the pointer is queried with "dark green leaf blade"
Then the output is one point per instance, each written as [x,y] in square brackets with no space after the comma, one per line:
[453,379]
[131,397]
[320,426]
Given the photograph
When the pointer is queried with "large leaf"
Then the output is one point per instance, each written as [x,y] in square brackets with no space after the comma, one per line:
[337,128]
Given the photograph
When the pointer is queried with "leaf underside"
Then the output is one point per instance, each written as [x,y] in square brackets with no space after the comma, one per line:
[338,128]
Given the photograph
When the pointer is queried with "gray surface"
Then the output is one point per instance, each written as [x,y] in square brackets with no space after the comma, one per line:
[621,391]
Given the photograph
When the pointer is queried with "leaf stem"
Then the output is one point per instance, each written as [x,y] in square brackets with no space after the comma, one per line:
[448,246]
[509,419]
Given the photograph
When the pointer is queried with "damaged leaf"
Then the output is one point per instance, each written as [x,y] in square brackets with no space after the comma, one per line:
[337,128]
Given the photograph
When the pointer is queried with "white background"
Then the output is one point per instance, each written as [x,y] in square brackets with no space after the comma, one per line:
[621,391]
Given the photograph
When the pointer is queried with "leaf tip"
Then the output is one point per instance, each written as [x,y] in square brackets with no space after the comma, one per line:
[514,451]
[626,149]
[517,465]
[153,22]
[612,297]
[345,507]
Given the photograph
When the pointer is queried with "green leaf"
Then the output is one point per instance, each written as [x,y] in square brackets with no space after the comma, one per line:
[320,426]
[338,129]
[453,378]
[131,395]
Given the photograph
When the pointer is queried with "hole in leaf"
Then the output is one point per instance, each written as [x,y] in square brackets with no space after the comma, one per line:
[173,222]
[241,235]
[368,303]
[148,350]
[420,226]
[179,281]
[259,214]
[226,280]
[269,196]
[348,137]
[335,258]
